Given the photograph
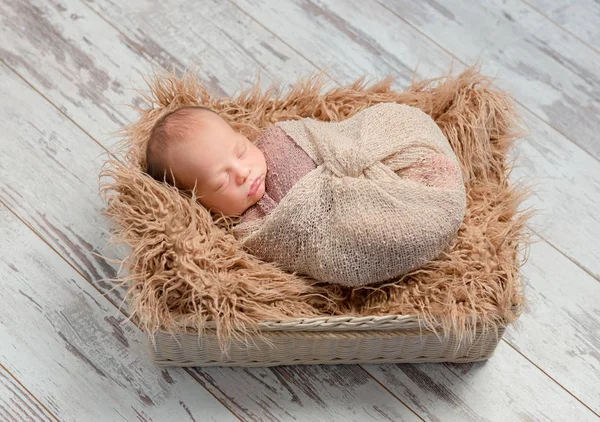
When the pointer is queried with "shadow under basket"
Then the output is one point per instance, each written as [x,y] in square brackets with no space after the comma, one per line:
[335,340]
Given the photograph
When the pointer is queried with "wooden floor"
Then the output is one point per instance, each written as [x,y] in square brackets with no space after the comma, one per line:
[66,72]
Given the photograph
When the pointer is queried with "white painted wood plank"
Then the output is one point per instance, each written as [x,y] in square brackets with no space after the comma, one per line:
[75,59]
[560,330]
[550,72]
[49,177]
[566,192]
[50,180]
[580,17]
[349,39]
[75,354]
[304,393]
[215,35]
[505,388]
[89,67]
[17,404]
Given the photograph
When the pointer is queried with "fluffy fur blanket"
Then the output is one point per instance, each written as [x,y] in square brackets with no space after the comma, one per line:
[186,268]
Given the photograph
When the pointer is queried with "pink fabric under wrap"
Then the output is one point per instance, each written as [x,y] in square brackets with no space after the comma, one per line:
[359,201]
[286,164]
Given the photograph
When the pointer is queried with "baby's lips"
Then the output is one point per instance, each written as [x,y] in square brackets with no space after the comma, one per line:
[255,185]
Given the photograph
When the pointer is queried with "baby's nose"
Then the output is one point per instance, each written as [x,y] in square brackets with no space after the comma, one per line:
[242,175]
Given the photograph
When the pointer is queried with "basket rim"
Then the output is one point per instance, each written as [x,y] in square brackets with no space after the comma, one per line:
[348,323]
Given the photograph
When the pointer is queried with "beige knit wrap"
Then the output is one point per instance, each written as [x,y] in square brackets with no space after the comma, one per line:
[386,197]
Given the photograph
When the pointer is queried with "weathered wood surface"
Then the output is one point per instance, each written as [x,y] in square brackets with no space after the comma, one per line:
[117,40]
[560,330]
[73,350]
[17,404]
[580,17]
[349,39]
[49,177]
[223,42]
[345,25]
[551,72]
[305,393]
[74,59]
[565,183]
[505,388]
[49,180]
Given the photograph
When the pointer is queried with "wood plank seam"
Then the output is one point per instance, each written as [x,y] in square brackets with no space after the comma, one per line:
[3,62]
[118,308]
[561,27]
[137,46]
[456,58]
[61,112]
[5,369]
[465,64]
[549,376]
[277,36]
[307,61]
[390,391]
[573,260]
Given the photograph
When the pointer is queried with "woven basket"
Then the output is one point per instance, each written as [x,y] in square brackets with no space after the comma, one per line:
[335,340]
[146,211]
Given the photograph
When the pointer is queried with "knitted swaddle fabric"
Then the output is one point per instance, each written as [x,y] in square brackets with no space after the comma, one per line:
[386,196]
[286,164]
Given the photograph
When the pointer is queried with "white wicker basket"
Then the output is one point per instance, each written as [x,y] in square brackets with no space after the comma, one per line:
[334,340]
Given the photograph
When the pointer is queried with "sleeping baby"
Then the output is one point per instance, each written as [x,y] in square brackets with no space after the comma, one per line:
[309,194]
[194,148]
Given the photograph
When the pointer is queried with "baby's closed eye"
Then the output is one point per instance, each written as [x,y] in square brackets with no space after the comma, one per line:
[223,184]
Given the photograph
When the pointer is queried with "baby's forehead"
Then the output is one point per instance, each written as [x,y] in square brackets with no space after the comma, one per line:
[209,135]
[205,120]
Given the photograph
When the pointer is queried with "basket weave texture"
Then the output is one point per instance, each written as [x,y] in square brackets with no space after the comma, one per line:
[337,340]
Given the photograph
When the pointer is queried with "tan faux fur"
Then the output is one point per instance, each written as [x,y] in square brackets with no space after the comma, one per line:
[186,268]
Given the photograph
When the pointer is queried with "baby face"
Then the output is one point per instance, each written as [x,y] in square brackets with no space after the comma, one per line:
[228,171]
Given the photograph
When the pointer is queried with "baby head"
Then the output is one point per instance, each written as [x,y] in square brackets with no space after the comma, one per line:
[194,148]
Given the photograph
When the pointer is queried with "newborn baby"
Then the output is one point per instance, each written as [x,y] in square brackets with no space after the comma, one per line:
[194,148]
[352,202]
